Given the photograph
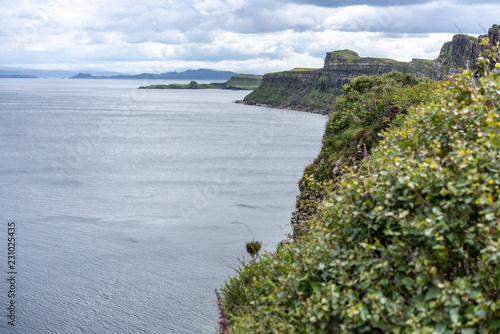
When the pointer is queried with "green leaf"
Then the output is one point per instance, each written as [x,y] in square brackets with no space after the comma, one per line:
[490,216]
[454,315]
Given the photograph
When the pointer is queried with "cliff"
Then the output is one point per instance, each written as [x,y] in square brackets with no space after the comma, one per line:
[289,89]
[315,90]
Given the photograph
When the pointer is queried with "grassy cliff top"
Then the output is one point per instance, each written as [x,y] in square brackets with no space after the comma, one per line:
[247,76]
[299,69]
[347,55]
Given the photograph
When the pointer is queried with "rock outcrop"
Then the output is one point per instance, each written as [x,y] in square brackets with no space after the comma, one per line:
[462,53]
[346,64]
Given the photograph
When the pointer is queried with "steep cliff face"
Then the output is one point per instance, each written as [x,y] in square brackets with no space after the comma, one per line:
[315,90]
[456,55]
[286,90]
[347,64]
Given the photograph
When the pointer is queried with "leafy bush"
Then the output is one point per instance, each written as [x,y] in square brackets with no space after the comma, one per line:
[368,105]
[407,244]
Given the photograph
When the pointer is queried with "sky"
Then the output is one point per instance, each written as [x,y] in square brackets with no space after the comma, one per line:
[244,36]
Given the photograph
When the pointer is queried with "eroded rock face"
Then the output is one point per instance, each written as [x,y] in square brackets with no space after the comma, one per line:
[348,64]
[462,52]
[289,80]
[494,34]
[455,56]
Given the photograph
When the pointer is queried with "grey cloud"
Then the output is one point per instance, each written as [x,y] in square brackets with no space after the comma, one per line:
[382,3]
[346,3]
[193,30]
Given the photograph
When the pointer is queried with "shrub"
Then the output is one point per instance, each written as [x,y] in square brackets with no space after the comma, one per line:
[408,244]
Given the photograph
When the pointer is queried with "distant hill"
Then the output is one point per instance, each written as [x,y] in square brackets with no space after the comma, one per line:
[13,75]
[186,75]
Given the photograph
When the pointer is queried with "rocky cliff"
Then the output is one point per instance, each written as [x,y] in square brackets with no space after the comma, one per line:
[315,90]
[462,53]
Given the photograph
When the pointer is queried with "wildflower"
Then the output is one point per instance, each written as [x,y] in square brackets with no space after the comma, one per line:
[374,103]
[366,103]
[385,98]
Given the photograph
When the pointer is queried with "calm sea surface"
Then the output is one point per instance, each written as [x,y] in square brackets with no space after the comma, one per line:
[124,200]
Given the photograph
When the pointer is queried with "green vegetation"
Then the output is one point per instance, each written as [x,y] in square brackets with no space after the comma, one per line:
[278,93]
[299,87]
[408,238]
[347,56]
[243,81]
[299,69]
[368,105]
[427,62]
[236,82]
[253,248]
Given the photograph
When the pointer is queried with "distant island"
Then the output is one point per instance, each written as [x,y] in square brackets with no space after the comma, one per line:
[203,74]
[236,82]
[16,76]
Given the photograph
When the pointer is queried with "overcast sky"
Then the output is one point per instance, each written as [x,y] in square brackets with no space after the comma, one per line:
[253,36]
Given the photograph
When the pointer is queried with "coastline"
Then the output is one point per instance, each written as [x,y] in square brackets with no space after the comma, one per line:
[284,107]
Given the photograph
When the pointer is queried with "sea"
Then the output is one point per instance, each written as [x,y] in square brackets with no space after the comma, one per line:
[123,209]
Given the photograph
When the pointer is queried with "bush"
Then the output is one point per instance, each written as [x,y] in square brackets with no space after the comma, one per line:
[408,244]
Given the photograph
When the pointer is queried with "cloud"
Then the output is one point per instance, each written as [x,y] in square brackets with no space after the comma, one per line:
[384,3]
[265,35]
[347,3]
